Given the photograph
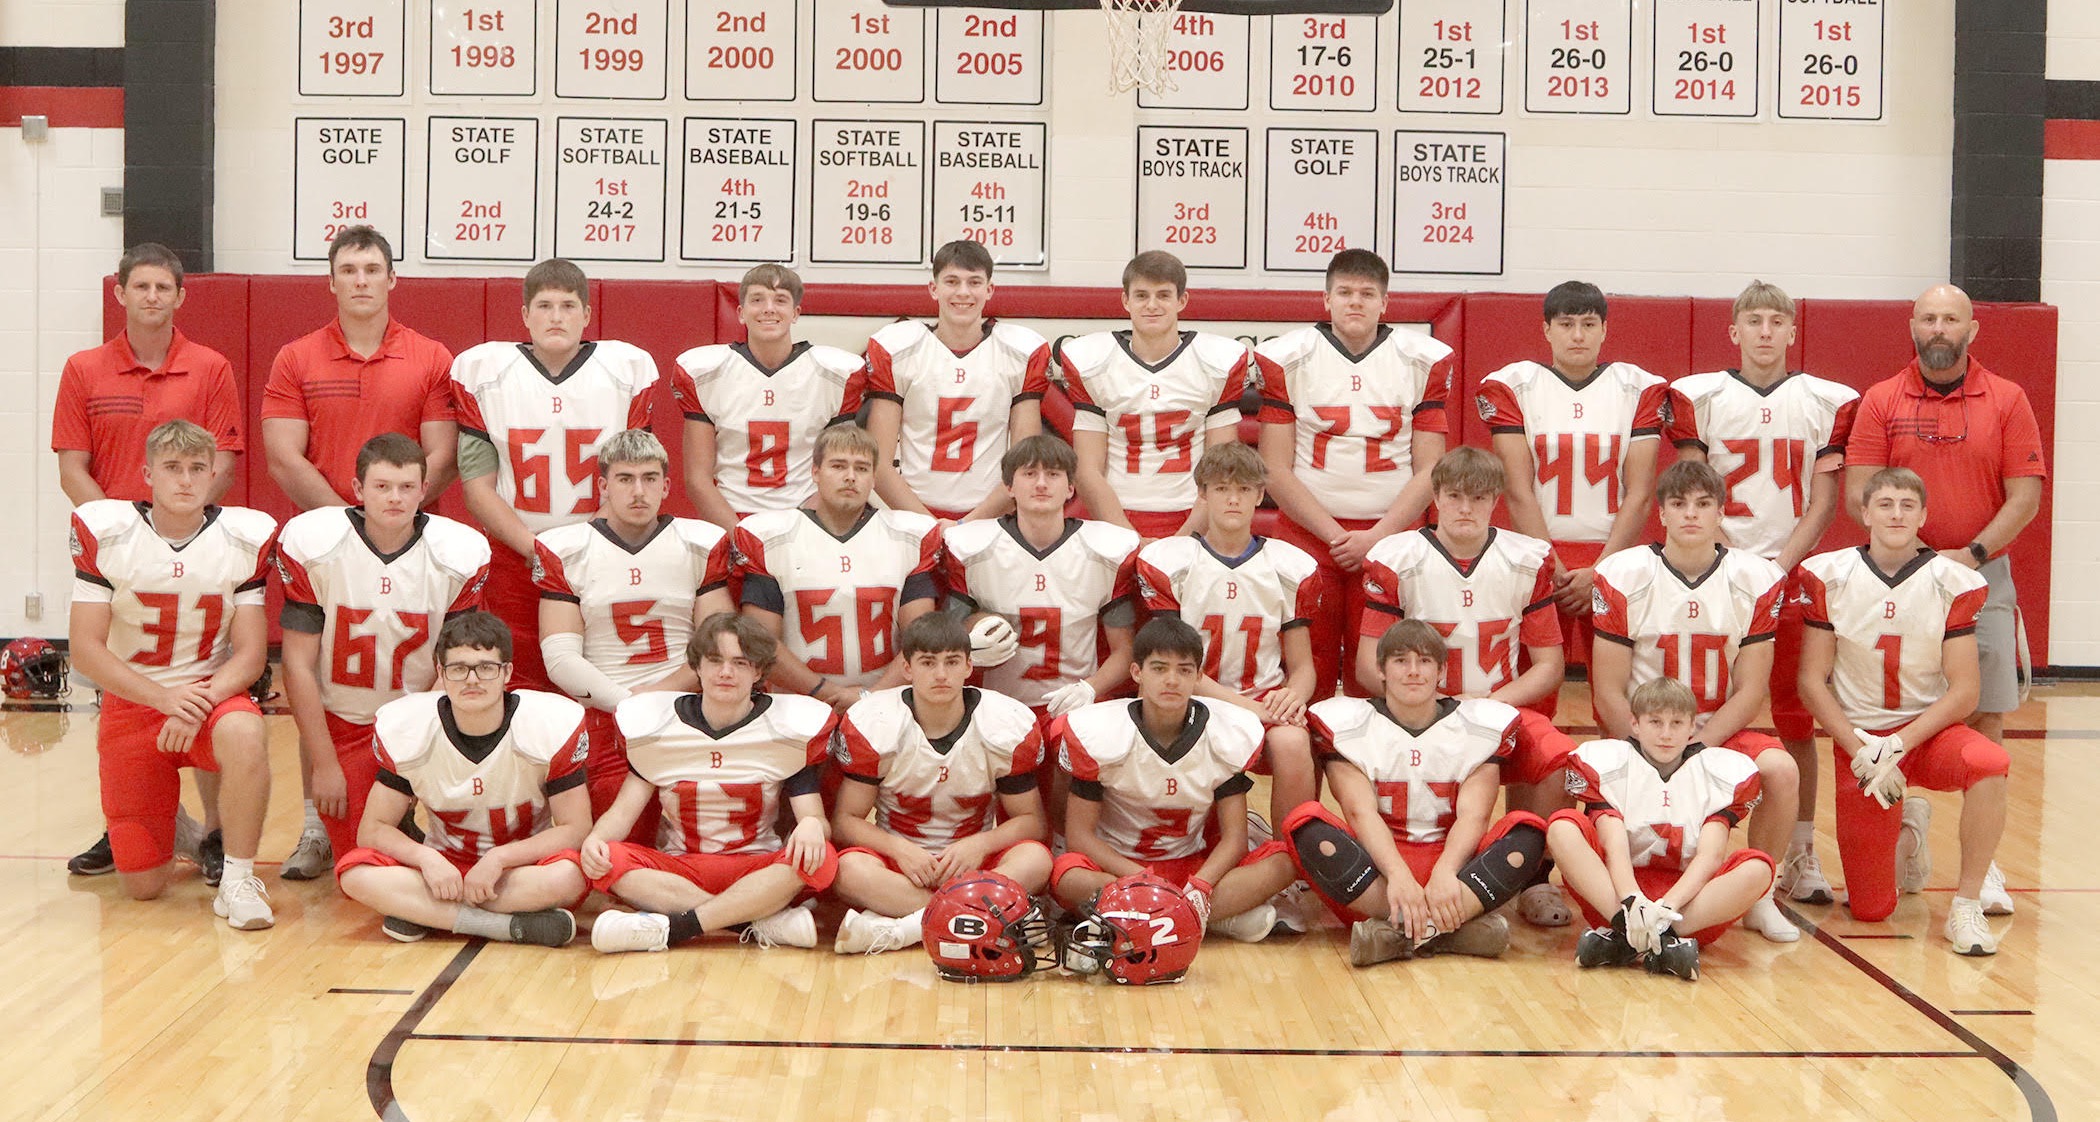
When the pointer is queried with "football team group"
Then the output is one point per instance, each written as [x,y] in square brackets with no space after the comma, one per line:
[923,654]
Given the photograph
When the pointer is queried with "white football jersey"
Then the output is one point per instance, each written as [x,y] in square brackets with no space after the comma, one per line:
[171,606]
[1663,816]
[1416,772]
[547,426]
[1242,605]
[721,789]
[1485,608]
[481,791]
[936,791]
[1053,599]
[956,407]
[376,613]
[1890,630]
[1687,629]
[1155,797]
[1768,444]
[637,603]
[766,421]
[837,597]
[1154,414]
[1579,435]
[1355,415]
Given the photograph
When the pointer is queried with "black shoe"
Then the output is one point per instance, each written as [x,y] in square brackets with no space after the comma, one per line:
[1676,955]
[1606,946]
[549,927]
[212,858]
[94,861]
[404,931]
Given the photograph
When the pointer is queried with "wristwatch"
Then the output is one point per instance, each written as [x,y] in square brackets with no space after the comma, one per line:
[1977,551]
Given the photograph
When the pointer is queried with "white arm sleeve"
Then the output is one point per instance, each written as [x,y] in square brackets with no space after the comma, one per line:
[567,668]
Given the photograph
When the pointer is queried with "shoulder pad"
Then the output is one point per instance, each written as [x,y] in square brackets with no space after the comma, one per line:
[1419,345]
[1104,728]
[909,522]
[479,364]
[1629,570]
[704,360]
[1169,555]
[835,361]
[771,525]
[1237,732]
[645,714]
[1026,340]
[310,535]
[108,519]
[901,336]
[251,528]
[1289,559]
[1488,714]
[407,724]
[1108,540]
[1523,548]
[1289,347]
[1341,714]
[1957,578]
[1517,373]
[1696,386]
[1604,755]
[1086,353]
[965,540]
[1755,571]
[1827,391]
[799,716]
[698,533]
[1633,376]
[879,716]
[1218,352]
[1731,767]
[1399,551]
[1005,720]
[1829,566]
[567,542]
[455,546]
[629,363]
[543,723]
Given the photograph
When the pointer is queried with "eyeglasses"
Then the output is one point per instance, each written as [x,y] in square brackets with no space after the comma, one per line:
[482,671]
[1928,431]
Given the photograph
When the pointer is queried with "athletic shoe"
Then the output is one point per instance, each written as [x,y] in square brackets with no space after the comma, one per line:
[1605,946]
[1258,832]
[788,927]
[1372,941]
[244,904]
[614,932]
[1914,846]
[1801,878]
[1675,954]
[1996,901]
[870,933]
[403,930]
[94,861]
[1544,905]
[548,927]
[310,858]
[1968,930]
[189,840]
[1482,937]
[1764,918]
[1250,926]
[1297,908]
[211,857]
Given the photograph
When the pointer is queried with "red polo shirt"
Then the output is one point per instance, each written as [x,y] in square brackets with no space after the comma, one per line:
[1964,444]
[108,401]
[346,399]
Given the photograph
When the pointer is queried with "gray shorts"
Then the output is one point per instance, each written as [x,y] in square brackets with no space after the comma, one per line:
[1998,640]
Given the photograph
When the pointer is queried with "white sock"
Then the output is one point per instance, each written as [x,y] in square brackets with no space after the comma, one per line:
[237,870]
[911,925]
[488,925]
[313,819]
[1804,836]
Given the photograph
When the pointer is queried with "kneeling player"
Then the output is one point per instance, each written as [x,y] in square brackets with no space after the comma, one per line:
[928,758]
[1147,776]
[718,763]
[1649,846]
[1420,861]
[501,773]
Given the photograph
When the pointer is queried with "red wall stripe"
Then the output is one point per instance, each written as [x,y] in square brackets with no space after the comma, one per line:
[76,107]
[2071,140]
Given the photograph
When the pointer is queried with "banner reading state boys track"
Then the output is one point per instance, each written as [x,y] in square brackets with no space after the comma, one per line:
[1448,195]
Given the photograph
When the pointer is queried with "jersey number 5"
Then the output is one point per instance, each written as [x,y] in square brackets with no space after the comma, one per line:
[874,617]
[531,473]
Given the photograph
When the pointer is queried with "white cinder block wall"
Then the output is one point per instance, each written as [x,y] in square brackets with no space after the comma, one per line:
[2071,281]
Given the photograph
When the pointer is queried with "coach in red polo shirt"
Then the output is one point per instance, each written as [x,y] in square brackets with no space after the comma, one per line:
[361,375]
[1971,435]
[110,397]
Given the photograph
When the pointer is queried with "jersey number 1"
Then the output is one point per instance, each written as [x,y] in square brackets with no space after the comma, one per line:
[167,622]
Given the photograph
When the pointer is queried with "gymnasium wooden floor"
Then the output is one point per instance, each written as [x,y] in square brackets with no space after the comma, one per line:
[121,1010]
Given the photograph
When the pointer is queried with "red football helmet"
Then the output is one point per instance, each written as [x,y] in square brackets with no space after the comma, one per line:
[1139,931]
[33,668]
[982,927]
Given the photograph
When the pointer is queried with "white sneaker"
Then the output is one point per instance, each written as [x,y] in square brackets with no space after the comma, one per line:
[1914,846]
[1297,908]
[1544,905]
[244,904]
[788,927]
[312,857]
[1764,918]
[1996,901]
[1968,930]
[614,932]
[1258,832]
[1250,926]
[871,933]
[189,840]
[1801,878]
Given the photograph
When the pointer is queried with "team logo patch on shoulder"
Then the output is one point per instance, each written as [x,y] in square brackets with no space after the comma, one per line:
[1598,605]
[839,751]
[1486,407]
[583,748]
[1577,784]
[1145,588]
[73,541]
[539,569]
[1665,410]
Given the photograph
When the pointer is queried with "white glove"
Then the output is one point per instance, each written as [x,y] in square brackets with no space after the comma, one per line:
[992,641]
[1199,900]
[1646,920]
[1873,750]
[1065,699]
[1886,783]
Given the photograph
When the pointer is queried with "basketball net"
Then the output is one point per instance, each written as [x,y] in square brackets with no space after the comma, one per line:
[1137,43]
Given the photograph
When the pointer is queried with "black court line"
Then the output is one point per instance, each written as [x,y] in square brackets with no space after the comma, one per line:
[1874,936]
[379,1072]
[1991,1012]
[354,989]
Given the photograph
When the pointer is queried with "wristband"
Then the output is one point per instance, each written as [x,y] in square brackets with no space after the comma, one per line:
[819,687]
[1979,552]
[1201,885]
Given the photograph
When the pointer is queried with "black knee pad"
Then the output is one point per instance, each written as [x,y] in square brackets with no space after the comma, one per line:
[1514,863]
[1333,861]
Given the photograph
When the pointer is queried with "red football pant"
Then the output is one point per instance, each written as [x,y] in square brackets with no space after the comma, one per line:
[1955,759]
[1575,630]
[712,873]
[1174,870]
[142,785]
[353,753]
[514,599]
[1421,857]
[1656,880]
[1333,631]
[1151,524]
[605,772]
[1789,713]
[1542,748]
[991,861]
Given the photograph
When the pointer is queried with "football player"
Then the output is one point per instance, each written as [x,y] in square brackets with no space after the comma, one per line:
[1695,610]
[1778,438]
[1889,670]
[753,410]
[1353,418]
[930,759]
[1254,599]
[959,393]
[1578,442]
[167,618]
[1151,778]
[1649,845]
[365,586]
[500,772]
[718,763]
[1147,401]
[1417,858]
[531,416]
[836,580]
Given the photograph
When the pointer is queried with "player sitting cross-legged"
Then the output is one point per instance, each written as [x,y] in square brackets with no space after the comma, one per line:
[1649,845]
[1417,857]
[929,759]
[718,763]
[500,772]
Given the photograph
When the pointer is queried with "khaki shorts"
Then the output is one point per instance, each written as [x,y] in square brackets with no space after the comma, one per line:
[1998,640]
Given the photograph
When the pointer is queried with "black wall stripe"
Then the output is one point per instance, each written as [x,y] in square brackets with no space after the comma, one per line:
[169,134]
[2073,101]
[61,66]
[2001,102]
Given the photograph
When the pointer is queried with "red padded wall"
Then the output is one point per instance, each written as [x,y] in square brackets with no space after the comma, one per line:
[665,318]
